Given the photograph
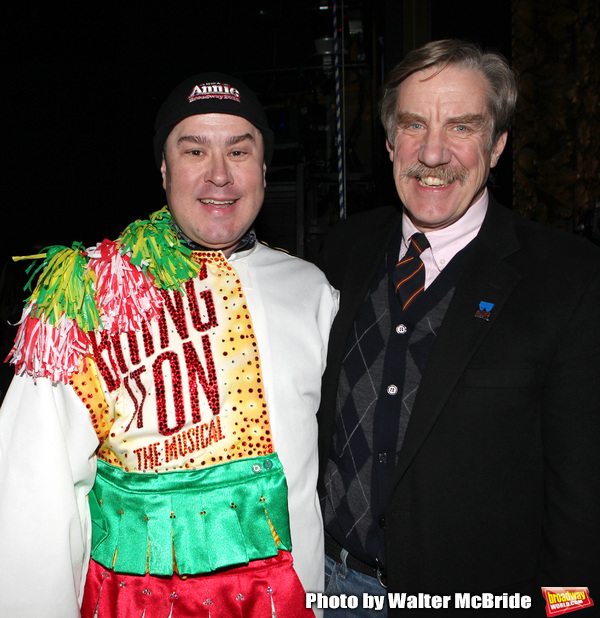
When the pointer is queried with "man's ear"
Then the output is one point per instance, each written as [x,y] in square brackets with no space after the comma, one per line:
[390,148]
[498,149]
[264,174]
[163,172]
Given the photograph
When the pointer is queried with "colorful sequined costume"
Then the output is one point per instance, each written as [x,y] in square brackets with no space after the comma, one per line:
[181,388]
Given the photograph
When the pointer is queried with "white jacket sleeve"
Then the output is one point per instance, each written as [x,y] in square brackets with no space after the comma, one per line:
[47,467]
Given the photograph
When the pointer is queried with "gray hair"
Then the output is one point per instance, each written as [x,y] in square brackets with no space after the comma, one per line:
[501,79]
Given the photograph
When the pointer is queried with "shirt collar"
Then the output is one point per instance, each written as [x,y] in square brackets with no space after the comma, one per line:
[247,241]
[447,242]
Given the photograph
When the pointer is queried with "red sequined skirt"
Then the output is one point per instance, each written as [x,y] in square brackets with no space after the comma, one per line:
[262,589]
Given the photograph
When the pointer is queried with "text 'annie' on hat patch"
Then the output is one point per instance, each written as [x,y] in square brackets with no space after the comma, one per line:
[214,90]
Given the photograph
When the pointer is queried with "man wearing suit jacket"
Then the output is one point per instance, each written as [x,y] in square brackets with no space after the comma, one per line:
[460,417]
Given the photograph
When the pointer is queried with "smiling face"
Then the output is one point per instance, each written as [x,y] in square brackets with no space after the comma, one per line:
[441,156]
[213,174]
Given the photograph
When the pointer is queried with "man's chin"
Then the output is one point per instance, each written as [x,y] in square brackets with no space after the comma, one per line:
[428,221]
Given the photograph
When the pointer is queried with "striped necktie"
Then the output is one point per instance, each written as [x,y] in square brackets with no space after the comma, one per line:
[409,274]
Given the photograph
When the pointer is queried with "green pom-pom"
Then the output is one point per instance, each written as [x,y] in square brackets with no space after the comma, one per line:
[153,245]
[66,286]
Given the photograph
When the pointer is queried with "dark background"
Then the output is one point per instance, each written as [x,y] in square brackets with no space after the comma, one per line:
[81,87]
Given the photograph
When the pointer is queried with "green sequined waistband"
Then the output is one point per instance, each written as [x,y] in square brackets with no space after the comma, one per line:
[199,520]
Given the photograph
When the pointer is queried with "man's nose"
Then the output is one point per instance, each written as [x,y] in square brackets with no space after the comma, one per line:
[434,149]
[218,172]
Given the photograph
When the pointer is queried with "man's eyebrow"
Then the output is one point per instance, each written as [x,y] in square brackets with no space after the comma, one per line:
[194,139]
[236,139]
[474,119]
[408,118]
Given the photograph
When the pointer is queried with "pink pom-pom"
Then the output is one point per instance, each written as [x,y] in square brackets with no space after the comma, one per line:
[42,350]
[124,293]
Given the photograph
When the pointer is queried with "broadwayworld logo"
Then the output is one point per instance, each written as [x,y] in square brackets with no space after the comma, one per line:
[562,600]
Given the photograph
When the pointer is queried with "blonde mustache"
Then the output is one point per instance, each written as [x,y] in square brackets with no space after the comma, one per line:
[445,173]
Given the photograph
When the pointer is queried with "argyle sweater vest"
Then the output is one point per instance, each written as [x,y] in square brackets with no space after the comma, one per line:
[386,355]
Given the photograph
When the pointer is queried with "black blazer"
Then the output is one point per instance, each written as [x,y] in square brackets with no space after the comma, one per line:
[497,484]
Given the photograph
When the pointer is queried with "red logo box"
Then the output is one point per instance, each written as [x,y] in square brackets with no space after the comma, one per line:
[563,600]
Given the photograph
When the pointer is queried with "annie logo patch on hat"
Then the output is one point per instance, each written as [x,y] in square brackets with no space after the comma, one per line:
[214,90]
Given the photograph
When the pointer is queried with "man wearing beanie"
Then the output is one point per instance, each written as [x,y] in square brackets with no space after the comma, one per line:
[158,442]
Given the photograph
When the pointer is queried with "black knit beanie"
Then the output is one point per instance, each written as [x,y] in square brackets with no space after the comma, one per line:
[210,93]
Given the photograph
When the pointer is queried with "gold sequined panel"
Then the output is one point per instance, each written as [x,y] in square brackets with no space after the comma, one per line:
[88,388]
[187,389]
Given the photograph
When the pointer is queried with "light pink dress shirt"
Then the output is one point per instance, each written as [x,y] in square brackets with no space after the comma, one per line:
[446,242]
